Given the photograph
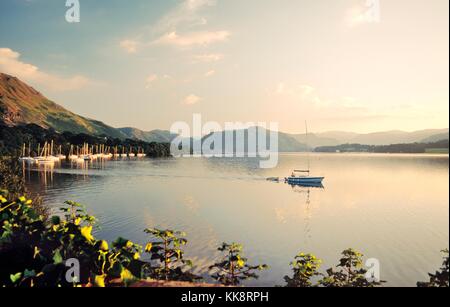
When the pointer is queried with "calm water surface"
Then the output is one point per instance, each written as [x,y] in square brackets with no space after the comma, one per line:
[391,207]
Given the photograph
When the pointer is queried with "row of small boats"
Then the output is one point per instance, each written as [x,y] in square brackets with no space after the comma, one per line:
[47,155]
[75,158]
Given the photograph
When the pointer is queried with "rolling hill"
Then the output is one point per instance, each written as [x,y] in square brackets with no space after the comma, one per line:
[20,104]
[159,136]
[378,138]
[436,138]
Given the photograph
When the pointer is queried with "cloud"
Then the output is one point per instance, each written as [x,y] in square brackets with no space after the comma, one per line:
[166,31]
[306,90]
[199,38]
[208,58]
[186,14]
[366,13]
[210,73]
[300,91]
[191,100]
[150,79]
[194,5]
[10,63]
[308,95]
[281,87]
[130,46]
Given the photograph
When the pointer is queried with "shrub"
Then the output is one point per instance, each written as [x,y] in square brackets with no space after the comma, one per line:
[305,268]
[350,272]
[440,278]
[11,179]
[35,249]
[166,251]
[233,269]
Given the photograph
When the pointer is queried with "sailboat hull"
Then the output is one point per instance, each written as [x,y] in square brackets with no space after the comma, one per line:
[305,180]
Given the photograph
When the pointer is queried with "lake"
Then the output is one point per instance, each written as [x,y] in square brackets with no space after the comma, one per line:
[391,207]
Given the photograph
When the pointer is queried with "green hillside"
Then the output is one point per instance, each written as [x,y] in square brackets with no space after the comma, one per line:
[22,104]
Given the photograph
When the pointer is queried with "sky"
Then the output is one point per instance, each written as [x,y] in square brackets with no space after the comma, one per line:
[352,65]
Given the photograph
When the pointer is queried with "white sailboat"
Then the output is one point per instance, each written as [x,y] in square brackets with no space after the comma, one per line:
[131,154]
[108,154]
[44,157]
[24,158]
[123,154]
[303,177]
[60,156]
[116,152]
[140,153]
[86,153]
[72,155]
[50,153]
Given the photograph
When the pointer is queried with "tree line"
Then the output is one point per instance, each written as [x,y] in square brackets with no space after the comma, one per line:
[440,146]
[12,140]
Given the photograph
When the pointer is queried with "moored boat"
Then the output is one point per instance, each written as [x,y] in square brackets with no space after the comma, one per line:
[304,180]
[303,177]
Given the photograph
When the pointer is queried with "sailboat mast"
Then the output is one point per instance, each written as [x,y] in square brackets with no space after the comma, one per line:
[307,146]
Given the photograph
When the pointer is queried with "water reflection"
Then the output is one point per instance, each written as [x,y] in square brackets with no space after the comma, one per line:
[307,185]
[392,207]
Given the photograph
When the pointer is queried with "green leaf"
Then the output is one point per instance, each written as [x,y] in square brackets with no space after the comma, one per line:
[28,274]
[15,277]
[56,220]
[57,258]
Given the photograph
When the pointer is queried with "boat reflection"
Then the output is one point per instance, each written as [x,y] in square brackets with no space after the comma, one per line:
[308,185]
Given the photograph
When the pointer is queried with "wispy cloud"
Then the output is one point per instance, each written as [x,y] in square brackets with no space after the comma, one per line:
[191,100]
[210,73]
[208,58]
[10,63]
[201,38]
[185,15]
[299,91]
[150,80]
[182,27]
[130,46]
[366,13]
[308,95]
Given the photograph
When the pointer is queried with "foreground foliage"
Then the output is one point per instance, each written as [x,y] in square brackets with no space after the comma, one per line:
[38,252]
[305,268]
[12,181]
[233,268]
[10,178]
[166,251]
[440,278]
[350,272]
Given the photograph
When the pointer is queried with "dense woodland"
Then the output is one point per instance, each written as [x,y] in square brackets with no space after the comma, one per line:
[13,138]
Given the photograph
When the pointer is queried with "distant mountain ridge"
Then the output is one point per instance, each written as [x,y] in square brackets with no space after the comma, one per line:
[300,142]
[21,104]
[159,136]
[334,138]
